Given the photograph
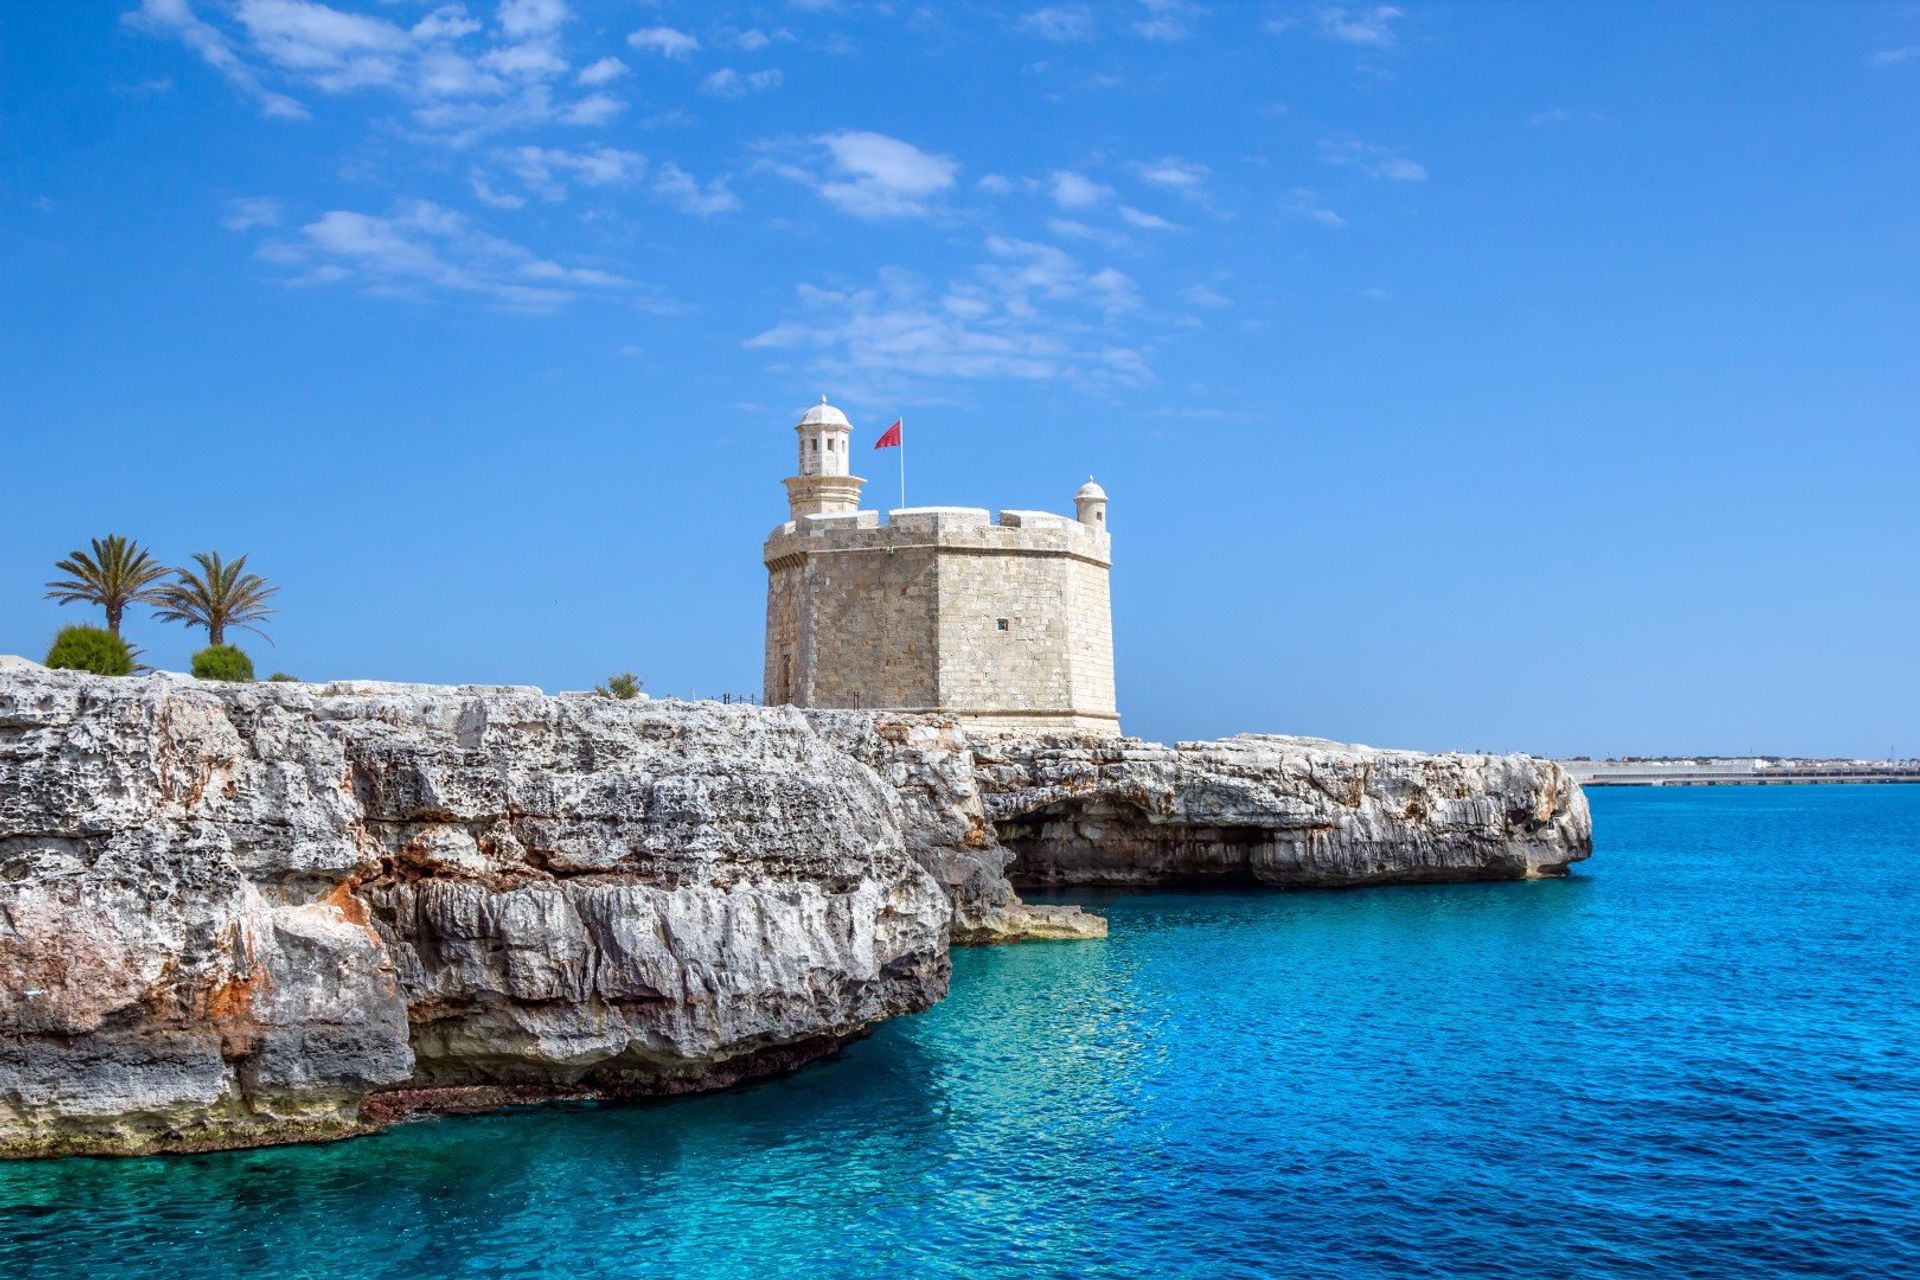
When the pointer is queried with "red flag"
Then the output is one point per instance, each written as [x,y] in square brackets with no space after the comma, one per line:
[890,438]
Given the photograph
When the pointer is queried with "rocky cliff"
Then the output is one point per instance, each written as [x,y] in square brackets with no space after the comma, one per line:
[232,915]
[241,914]
[1269,810]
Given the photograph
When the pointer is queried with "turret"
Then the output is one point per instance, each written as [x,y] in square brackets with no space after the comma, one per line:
[1090,505]
[823,483]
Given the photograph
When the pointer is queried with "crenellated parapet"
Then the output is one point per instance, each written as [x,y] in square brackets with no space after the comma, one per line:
[959,529]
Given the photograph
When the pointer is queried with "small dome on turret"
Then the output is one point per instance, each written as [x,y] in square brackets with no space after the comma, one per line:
[1090,490]
[823,415]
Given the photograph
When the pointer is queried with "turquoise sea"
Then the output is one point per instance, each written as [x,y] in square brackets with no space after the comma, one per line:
[1699,1056]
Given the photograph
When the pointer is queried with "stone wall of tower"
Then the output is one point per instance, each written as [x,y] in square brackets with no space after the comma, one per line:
[911,615]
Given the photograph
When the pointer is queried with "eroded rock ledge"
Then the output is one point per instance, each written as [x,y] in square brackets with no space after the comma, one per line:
[239,915]
[1271,810]
[236,915]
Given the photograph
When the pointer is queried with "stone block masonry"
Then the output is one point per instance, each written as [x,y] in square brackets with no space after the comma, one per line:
[1003,624]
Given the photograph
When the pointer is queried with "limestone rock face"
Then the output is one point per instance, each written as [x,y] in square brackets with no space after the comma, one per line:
[241,914]
[1271,810]
[930,764]
[233,915]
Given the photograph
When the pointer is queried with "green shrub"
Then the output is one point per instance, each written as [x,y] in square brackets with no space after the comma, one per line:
[623,686]
[223,662]
[92,649]
[281,677]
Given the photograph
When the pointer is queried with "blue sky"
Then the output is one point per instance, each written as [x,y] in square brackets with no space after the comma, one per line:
[1517,376]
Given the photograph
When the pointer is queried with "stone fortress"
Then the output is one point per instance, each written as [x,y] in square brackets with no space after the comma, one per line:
[1005,625]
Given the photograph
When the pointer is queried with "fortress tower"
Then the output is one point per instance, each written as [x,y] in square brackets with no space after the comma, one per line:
[1006,624]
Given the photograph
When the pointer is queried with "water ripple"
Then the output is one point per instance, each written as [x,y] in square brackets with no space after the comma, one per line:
[1700,1057]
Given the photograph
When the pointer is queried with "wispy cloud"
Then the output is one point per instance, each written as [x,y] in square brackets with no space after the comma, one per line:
[674,186]
[1145,221]
[176,18]
[465,79]
[1073,229]
[729,83]
[423,251]
[1183,177]
[522,18]
[548,171]
[1166,20]
[1072,190]
[665,41]
[1375,161]
[1888,57]
[1201,295]
[750,40]
[1059,22]
[871,175]
[244,213]
[605,71]
[1030,312]
[1367,25]
[1304,203]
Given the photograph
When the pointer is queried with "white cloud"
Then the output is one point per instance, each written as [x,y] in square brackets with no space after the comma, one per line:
[1375,161]
[448,22]
[464,80]
[422,251]
[1372,25]
[728,83]
[605,71]
[595,108]
[1166,20]
[1059,22]
[522,18]
[752,40]
[547,171]
[665,41]
[1200,295]
[247,212]
[176,18]
[1072,229]
[1182,176]
[871,175]
[1028,313]
[533,61]
[1303,203]
[675,186]
[1887,57]
[1145,221]
[486,195]
[994,184]
[1072,190]
[335,51]
[446,74]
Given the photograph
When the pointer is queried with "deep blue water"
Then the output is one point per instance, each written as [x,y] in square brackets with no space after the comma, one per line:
[1700,1056]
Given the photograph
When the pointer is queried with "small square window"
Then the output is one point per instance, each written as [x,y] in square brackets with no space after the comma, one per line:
[1000,624]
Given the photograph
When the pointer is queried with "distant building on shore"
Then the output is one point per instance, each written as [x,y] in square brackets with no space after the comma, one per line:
[1005,624]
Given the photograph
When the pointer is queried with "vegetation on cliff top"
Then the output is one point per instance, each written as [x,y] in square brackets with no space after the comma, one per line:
[94,649]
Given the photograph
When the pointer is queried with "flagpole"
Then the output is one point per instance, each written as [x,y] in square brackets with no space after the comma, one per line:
[903,459]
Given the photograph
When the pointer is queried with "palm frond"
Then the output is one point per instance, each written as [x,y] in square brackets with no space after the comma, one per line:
[117,572]
[220,594]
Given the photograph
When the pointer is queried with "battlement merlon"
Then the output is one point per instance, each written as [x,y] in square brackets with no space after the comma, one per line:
[947,529]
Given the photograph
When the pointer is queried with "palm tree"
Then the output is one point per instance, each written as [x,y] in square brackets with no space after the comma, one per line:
[120,572]
[221,595]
